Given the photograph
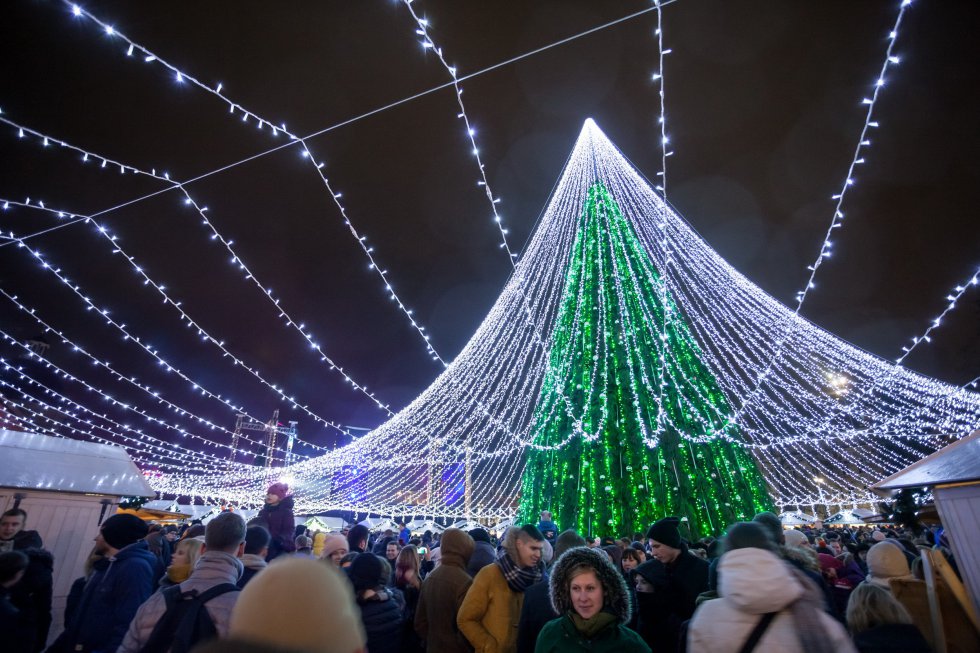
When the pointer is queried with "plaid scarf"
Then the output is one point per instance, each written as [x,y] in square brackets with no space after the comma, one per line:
[519,578]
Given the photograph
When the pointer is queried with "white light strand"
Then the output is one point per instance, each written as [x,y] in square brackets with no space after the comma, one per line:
[236,261]
[233,107]
[952,298]
[429,44]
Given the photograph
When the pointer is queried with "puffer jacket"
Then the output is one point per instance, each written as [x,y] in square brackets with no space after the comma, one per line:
[751,583]
[382,617]
[110,599]
[213,568]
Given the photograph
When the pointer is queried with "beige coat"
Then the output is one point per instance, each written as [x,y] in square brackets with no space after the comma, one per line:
[490,613]
[753,582]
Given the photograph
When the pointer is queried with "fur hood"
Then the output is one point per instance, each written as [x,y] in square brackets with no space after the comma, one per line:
[615,594]
[802,558]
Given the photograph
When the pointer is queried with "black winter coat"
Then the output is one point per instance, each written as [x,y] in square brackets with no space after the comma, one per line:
[32,594]
[686,578]
[483,555]
[17,627]
[891,638]
[536,612]
[382,618]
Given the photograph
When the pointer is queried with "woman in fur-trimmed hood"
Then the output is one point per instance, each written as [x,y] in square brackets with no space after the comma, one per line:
[591,596]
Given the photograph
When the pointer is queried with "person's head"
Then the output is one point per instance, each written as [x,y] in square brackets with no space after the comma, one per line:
[313,599]
[456,548]
[749,535]
[524,545]
[407,566]
[772,524]
[170,532]
[480,535]
[225,533]
[665,540]
[584,581]
[632,559]
[348,560]
[13,564]
[870,606]
[11,523]
[334,548]
[650,577]
[568,539]
[886,561]
[796,539]
[276,493]
[118,532]
[545,515]
[357,538]
[187,552]
[391,550]
[257,540]
[367,573]
[303,543]
[195,530]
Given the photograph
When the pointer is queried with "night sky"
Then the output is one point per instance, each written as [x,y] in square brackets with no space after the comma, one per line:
[764,111]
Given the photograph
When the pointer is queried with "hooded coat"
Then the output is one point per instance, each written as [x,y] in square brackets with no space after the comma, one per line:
[562,635]
[214,568]
[113,594]
[442,595]
[752,583]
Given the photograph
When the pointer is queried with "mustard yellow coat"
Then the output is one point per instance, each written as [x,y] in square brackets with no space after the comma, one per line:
[490,613]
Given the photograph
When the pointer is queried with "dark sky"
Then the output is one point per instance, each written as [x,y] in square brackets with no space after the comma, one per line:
[763,103]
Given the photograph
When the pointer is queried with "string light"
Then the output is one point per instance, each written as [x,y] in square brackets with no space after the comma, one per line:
[233,107]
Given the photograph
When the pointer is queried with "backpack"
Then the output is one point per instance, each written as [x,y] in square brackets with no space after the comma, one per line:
[185,621]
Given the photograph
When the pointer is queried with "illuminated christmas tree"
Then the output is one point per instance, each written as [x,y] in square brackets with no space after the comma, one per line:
[631,425]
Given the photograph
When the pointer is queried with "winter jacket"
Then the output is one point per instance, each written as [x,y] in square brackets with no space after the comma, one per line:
[535,613]
[17,628]
[483,555]
[656,622]
[751,583]
[687,577]
[442,594]
[561,636]
[117,588]
[32,594]
[253,564]
[491,612]
[382,617]
[890,638]
[21,541]
[281,523]
[213,568]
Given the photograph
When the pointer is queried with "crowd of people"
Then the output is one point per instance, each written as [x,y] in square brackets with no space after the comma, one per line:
[237,586]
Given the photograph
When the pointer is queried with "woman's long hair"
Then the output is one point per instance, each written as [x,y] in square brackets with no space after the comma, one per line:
[407,560]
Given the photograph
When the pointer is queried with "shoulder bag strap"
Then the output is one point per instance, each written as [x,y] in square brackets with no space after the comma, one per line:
[758,632]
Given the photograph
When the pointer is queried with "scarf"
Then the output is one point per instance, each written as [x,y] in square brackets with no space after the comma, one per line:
[178,573]
[519,578]
[590,627]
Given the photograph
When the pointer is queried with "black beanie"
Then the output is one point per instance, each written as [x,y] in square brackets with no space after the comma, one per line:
[665,531]
[120,531]
[480,535]
[366,572]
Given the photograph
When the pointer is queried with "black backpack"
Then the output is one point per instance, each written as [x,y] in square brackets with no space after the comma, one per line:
[186,621]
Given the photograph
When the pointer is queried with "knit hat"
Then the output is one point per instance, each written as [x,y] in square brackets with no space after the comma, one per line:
[298,604]
[333,542]
[122,530]
[480,535]
[281,490]
[878,536]
[772,524]
[795,538]
[367,572]
[665,531]
[886,561]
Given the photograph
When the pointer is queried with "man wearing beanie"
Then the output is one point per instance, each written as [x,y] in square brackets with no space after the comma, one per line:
[537,609]
[442,594]
[224,542]
[687,575]
[483,554]
[120,582]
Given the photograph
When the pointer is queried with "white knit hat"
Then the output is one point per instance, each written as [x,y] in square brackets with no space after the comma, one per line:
[795,538]
[885,561]
[301,605]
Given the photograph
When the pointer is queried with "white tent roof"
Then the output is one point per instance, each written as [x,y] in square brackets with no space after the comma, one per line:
[796,518]
[31,461]
[420,526]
